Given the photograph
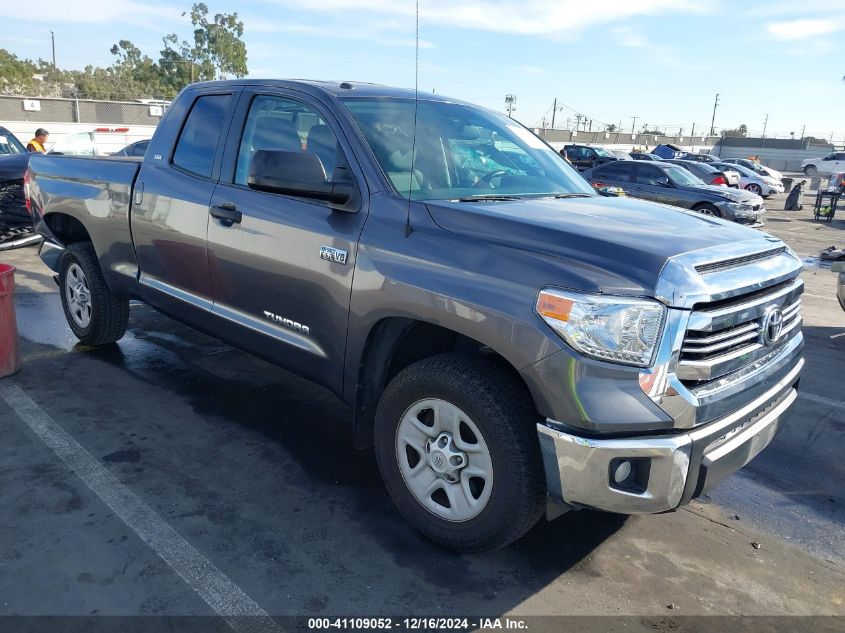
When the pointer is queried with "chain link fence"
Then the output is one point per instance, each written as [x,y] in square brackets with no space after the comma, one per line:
[44,110]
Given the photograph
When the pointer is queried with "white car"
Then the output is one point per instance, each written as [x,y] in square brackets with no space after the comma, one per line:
[830,164]
[753,181]
[755,166]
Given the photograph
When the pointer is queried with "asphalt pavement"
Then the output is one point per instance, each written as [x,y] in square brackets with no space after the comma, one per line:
[173,475]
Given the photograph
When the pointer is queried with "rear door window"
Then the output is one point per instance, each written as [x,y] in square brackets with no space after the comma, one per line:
[197,144]
[619,170]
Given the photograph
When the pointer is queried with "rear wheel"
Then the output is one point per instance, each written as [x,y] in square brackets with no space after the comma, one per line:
[93,313]
[458,452]
[708,209]
[810,170]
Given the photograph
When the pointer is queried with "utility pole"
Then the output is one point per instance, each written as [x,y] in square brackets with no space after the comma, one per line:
[713,120]
[577,122]
[53,41]
[803,127]
[634,124]
[554,111]
[765,125]
[509,103]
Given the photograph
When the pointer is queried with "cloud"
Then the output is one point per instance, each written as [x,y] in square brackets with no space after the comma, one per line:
[801,29]
[520,17]
[626,36]
[383,34]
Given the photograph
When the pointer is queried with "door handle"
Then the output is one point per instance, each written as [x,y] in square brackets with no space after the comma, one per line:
[227,213]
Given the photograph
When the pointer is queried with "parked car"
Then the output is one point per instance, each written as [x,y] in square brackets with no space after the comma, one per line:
[709,174]
[138,148]
[701,158]
[586,156]
[753,181]
[755,166]
[15,221]
[671,184]
[508,340]
[644,156]
[829,164]
[621,155]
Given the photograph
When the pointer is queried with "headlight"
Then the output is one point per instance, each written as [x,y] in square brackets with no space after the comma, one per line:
[616,329]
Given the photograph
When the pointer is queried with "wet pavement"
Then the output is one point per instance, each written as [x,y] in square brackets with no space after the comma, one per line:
[254,469]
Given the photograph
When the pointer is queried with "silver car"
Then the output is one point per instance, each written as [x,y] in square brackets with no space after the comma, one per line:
[749,180]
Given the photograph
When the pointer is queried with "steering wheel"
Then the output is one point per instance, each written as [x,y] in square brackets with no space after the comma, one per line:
[485,180]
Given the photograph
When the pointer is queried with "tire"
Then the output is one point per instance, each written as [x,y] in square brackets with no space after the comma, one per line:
[754,188]
[810,170]
[494,417]
[706,208]
[93,313]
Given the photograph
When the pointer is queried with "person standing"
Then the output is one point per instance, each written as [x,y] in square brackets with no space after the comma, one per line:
[38,142]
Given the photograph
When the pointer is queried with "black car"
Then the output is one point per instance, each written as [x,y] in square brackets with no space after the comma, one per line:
[671,184]
[644,156]
[138,148]
[584,156]
[709,174]
[14,160]
[702,158]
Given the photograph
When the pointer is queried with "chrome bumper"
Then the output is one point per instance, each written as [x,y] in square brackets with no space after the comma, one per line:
[671,469]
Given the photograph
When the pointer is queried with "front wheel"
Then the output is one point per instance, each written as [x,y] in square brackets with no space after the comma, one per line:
[708,209]
[754,188]
[810,170]
[457,448]
[93,313]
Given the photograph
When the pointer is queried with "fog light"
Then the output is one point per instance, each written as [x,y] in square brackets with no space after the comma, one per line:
[622,471]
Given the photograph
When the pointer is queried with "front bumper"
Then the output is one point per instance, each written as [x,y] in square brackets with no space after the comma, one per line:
[669,470]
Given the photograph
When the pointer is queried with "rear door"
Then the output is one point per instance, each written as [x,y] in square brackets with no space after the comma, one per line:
[172,194]
[615,174]
[283,271]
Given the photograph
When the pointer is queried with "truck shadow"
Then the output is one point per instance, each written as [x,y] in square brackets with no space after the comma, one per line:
[259,465]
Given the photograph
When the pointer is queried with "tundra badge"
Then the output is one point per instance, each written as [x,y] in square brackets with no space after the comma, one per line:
[288,323]
[332,254]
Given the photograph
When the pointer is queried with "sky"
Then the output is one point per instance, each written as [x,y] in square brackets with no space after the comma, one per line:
[662,61]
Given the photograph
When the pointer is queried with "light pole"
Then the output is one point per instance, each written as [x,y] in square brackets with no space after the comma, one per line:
[53,42]
[765,125]
[713,120]
[555,109]
[509,104]
[634,123]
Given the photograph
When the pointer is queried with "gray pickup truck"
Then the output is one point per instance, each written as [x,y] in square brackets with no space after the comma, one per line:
[509,341]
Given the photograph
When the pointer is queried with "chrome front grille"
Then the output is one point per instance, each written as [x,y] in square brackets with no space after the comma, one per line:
[726,336]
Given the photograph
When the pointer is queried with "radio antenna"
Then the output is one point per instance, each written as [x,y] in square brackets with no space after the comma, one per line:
[416,105]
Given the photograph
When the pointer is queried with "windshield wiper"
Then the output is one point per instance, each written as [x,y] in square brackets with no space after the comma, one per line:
[488,197]
[572,195]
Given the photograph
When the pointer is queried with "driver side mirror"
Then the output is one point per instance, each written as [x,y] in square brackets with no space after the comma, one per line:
[299,174]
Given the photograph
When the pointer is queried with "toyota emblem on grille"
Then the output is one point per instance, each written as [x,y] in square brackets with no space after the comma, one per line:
[771,327]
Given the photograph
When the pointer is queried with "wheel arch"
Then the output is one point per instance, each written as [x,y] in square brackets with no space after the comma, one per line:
[395,343]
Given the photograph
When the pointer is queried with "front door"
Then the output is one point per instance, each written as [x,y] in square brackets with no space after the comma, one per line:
[284,269]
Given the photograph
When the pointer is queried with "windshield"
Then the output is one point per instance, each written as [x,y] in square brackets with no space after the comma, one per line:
[741,169]
[602,152]
[10,145]
[682,177]
[461,152]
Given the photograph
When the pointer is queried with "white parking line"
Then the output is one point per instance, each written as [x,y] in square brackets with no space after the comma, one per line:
[821,399]
[221,594]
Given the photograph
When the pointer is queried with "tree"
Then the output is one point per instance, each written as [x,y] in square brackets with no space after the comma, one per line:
[741,131]
[217,51]
[610,128]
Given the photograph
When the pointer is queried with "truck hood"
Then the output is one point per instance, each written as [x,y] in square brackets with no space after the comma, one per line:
[622,237]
